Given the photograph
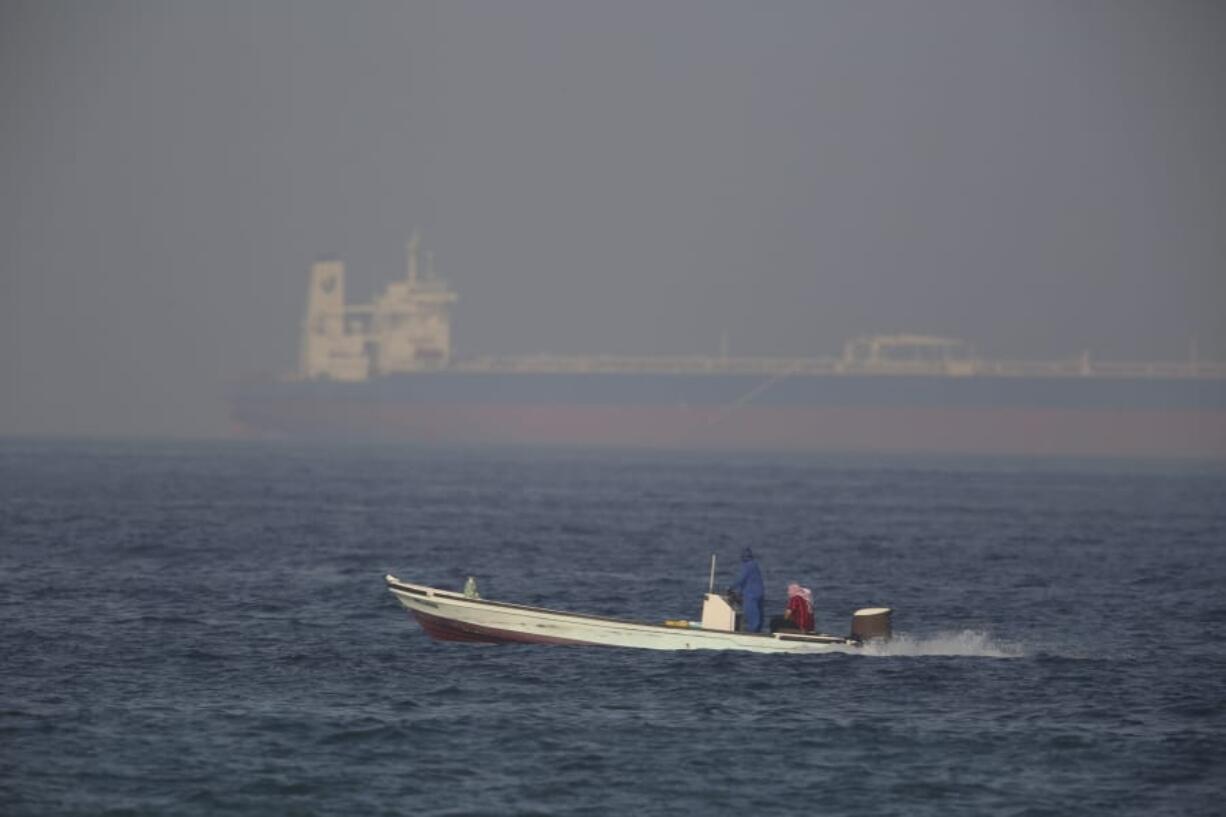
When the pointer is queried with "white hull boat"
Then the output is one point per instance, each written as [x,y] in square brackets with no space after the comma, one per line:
[447,615]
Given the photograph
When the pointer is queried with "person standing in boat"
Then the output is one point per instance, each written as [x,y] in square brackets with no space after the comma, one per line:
[748,586]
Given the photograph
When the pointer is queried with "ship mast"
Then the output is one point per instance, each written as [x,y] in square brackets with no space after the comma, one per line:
[412,249]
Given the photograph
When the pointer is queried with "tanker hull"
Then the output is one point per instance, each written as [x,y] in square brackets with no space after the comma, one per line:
[1039,416]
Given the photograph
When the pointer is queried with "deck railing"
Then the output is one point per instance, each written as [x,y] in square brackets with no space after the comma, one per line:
[782,367]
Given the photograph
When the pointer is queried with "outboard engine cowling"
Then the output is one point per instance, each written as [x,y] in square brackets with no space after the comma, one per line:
[871,622]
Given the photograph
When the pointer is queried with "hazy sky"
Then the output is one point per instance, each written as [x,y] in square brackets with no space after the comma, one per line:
[619,177]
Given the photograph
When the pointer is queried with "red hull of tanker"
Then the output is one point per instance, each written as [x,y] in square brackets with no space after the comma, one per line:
[1196,433]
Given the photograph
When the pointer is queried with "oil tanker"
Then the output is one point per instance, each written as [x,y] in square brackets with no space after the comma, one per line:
[385,371]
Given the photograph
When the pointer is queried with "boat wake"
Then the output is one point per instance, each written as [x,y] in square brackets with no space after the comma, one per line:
[969,643]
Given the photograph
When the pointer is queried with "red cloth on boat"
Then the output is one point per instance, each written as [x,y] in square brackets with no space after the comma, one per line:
[800,613]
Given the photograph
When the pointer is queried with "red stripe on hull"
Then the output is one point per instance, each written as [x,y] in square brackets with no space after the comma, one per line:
[1042,431]
[444,629]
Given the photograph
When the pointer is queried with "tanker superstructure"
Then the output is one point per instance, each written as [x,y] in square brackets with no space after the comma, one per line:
[385,371]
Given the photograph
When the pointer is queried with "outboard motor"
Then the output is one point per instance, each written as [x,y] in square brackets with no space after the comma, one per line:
[871,622]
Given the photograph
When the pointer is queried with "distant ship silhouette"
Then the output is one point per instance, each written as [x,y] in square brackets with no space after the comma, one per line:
[385,371]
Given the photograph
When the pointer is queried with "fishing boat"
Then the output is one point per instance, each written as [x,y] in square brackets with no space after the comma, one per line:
[447,615]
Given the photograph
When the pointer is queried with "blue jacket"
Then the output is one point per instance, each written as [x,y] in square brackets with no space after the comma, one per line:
[749,582]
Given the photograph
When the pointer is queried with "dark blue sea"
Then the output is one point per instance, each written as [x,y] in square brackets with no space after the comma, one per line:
[203,628]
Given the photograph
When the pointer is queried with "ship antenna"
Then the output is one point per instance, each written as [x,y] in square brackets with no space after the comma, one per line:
[412,247]
[711,583]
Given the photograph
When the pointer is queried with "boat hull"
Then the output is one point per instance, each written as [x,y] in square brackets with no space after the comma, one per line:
[1091,416]
[448,616]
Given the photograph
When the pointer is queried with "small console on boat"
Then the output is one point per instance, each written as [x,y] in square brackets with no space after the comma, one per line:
[717,613]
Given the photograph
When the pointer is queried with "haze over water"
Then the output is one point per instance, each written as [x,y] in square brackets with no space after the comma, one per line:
[631,178]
